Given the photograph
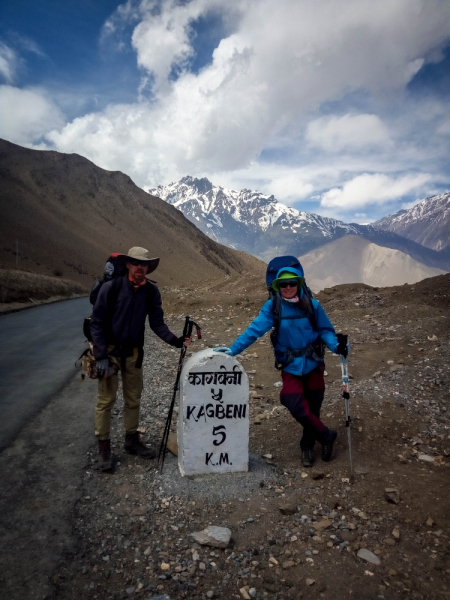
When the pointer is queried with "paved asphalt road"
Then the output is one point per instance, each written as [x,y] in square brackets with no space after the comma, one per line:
[37,359]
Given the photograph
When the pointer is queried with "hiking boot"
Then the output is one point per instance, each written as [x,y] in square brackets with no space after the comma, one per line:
[106,458]
[327,449]
[308,457]
[133,445]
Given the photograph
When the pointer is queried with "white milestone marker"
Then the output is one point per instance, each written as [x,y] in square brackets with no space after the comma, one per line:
[213,418]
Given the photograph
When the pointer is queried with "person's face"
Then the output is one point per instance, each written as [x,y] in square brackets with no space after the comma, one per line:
[137,270]
[290,291]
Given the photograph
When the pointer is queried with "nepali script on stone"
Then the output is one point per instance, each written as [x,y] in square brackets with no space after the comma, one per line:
[213,421]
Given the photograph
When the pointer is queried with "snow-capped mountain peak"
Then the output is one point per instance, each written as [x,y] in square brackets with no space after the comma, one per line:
[200,199]
[260,225]
[427,223]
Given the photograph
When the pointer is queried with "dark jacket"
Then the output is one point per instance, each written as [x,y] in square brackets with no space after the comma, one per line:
[123,323]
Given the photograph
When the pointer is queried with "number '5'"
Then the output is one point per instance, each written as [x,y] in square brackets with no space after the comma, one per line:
[218,431]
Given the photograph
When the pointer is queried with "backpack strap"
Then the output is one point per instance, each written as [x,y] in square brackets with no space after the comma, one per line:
[150,294]
[307,305]
[315,350]
[116,286]
[276,311]
[84,353]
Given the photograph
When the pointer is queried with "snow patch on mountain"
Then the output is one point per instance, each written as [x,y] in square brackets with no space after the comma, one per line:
[427,223]
[260,225]
[252,208]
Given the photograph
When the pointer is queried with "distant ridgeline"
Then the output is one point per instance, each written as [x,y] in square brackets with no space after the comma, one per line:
[262,226]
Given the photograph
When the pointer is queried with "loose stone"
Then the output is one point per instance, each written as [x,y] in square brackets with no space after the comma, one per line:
[368,556]
[426,458]
[392,495]
[321,525]
[288,509]
[218,537]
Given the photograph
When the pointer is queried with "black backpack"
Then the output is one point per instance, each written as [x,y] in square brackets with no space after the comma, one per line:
[115,267]
[315,350]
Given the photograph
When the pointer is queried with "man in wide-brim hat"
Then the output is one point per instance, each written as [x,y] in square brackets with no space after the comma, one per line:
[118,328]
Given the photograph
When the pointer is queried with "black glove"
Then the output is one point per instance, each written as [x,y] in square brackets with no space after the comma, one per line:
[102,367]
[342,347]
[178,343]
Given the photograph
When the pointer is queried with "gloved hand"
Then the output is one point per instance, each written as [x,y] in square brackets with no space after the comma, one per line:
[225,350]
[343,347]
[102,367]
[179,343]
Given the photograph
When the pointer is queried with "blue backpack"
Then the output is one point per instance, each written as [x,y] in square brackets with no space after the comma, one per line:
[305,304]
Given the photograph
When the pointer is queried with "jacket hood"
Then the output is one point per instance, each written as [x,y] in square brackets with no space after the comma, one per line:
[297,272]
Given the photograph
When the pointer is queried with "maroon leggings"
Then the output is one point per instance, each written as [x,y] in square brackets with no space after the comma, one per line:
[303,397]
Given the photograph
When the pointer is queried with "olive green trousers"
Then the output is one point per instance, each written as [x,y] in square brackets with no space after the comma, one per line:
[132,384]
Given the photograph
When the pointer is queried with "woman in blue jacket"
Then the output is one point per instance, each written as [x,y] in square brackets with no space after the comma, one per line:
[299,349]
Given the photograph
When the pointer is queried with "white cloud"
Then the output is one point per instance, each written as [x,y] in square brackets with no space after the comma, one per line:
[289,187]
[369,189]
[283,60]
[349,132]
[251,117]
[444,128]
[26,44]
[26,115]
[8,63]
[162,41]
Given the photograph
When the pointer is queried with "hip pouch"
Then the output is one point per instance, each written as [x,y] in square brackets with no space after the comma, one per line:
[89,365]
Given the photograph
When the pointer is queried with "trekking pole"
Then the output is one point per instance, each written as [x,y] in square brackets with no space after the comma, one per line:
[346,396]
[187,332]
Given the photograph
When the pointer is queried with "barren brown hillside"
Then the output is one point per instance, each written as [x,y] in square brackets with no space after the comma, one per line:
[353,259]
[68,215]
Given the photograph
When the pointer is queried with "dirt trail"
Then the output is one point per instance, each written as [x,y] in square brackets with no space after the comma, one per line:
[128,524]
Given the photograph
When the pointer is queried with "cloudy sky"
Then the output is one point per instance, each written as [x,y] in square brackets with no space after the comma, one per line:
[339,107]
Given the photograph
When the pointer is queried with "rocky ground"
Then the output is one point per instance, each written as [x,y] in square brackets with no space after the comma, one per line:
[296,532]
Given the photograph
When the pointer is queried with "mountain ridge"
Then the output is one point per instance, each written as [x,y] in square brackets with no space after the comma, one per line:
[353,259]
[260,225]
[427,222]
[68,215]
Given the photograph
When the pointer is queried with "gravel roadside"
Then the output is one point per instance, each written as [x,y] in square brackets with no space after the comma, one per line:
[296,533]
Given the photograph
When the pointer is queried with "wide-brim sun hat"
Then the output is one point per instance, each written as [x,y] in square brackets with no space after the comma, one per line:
[287,275]
[141,254]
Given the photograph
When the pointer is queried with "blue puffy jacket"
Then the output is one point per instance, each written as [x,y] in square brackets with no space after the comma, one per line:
[294,334]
